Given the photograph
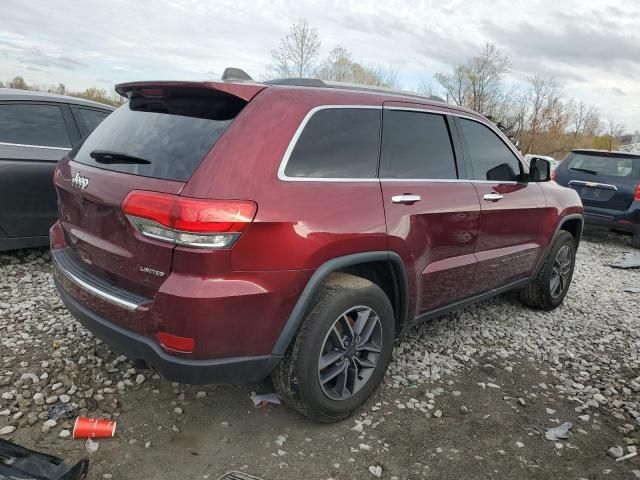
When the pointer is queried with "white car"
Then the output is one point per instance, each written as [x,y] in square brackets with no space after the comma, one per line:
[554,163]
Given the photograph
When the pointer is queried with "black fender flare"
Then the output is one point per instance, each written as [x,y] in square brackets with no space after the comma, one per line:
[563,220]
[297,315]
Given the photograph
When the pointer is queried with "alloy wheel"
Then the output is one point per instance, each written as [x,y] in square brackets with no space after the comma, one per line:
[350,353]
[560,271]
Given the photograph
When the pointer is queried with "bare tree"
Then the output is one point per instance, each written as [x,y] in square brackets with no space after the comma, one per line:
[543,98]
[298,52]
[455,85]
[614,132]
[18,82]
[339,66]
[426,88]
[478,84]
[60,89]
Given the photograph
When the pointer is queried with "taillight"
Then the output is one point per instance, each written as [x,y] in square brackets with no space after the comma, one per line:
[187,221]
[637,195]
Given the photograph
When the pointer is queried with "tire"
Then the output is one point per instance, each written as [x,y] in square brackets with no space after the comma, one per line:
[540,293]
[298,378]
[635,240]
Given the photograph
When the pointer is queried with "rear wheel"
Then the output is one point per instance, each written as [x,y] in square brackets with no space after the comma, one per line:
[341,352]
[550,286]
[635,240]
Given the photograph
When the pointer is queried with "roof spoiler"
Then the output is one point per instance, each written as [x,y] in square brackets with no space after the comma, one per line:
[245,91]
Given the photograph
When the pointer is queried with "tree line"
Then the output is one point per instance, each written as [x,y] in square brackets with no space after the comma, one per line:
[539,117]
[99,95]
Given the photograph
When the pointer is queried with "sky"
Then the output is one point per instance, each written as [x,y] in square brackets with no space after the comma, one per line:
[591,47]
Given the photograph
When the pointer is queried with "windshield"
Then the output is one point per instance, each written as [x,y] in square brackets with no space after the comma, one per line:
[604,165]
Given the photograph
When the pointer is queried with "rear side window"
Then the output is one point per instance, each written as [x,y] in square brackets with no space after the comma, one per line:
[89,118]
[337,143]
[416,145]
[490,158]
[605,165]
[165,136]
[39,125]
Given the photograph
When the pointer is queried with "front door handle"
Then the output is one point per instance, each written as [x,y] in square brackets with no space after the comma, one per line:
[493,197]
[406,199]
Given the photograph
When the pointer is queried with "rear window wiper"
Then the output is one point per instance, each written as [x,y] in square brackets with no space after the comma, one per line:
[109,158]
[590,172]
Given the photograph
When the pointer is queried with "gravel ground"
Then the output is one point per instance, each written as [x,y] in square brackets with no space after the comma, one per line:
[467,396]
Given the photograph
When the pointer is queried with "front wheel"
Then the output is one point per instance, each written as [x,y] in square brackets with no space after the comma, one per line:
[549,287]
[341,352]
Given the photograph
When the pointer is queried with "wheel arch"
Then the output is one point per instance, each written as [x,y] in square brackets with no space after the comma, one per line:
[370,265]
[572,224]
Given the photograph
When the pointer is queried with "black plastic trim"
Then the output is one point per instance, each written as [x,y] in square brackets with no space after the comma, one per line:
[15,243]
[301,307]
[440,311]
[142,350]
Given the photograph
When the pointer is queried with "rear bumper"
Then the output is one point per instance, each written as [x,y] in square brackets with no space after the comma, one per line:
[626,221]
[138,348]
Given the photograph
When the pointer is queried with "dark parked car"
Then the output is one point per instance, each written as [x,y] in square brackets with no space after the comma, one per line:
[224,232]
[609,185]
[36,130]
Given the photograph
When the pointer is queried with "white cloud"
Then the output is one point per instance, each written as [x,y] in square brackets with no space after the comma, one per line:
[592,47]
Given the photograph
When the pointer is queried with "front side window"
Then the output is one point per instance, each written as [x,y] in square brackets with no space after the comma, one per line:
[337,143]
[490,158]
[416,145]
[38,125]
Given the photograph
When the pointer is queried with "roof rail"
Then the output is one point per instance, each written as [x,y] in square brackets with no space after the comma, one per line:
[297,82]
[316,82]
[380,89]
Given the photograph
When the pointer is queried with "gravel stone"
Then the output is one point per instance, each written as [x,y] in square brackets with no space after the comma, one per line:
[616,452]
[7,430]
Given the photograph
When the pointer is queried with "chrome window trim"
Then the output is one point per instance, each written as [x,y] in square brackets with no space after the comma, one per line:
[287,154]
[448,180]
[444,112]
[34,146]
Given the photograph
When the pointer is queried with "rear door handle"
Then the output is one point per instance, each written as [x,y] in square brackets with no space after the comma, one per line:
[493,197]
[406,199]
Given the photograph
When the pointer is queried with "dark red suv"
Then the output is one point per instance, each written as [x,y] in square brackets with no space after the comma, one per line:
[228,231]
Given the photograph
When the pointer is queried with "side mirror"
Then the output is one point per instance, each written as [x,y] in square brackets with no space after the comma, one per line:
[539,170]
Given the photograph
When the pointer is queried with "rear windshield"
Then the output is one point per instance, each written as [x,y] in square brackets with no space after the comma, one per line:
[604,165]
[165,136]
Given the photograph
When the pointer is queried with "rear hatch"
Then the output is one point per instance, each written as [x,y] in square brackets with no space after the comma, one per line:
[153,143]
[606,180]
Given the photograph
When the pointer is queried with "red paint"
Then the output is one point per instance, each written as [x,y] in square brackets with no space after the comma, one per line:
[511,229]
[234,302]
